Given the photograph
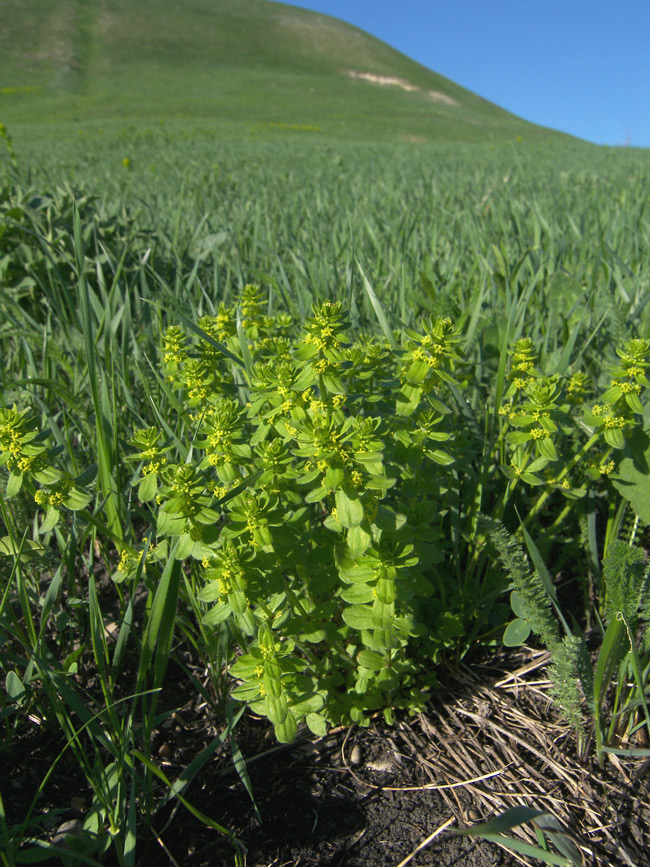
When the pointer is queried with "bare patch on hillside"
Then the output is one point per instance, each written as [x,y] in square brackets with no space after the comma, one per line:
[437,96]
[402,83]
[383,80]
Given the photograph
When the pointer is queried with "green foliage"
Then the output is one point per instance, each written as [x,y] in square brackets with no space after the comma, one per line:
[623,661]
[548,830]
[538,259]
[529,599]
[30,463]
[280,69]
[625,574]
[302,504]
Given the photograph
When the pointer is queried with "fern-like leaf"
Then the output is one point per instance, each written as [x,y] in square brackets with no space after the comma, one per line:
[525,581]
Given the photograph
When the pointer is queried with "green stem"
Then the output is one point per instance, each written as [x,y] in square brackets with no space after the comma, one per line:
[563,474]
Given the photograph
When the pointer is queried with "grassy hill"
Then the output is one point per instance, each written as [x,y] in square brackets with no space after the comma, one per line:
[234,62]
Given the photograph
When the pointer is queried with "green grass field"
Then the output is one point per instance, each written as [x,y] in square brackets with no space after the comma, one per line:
[228,62]
[126,210]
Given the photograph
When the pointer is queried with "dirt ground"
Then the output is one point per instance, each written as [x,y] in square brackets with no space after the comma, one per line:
[376,797]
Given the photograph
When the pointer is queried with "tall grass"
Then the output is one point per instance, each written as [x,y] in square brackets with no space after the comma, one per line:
[96,260]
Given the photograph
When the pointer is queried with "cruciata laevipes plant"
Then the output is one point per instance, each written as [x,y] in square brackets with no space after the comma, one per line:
[311,502]
[618,450]
[314,497]
[325,496]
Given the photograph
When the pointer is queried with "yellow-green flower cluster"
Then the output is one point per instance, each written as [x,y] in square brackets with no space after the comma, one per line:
[324,327]
[174,351]
[18,449]
[251,302]
[522,366]
[220,327]
[56,493]
[223,573]
[130,560]
[197,379]
[222,432]
[577,387]
[423,362]
[147,440]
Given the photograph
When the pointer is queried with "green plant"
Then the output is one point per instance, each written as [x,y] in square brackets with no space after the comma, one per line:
[546,247]
[548,830]
[614,693]
[312,493]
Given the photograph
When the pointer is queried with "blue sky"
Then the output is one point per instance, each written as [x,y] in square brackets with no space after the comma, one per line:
[580,66]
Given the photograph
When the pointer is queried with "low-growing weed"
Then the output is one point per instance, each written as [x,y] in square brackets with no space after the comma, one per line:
[325,495]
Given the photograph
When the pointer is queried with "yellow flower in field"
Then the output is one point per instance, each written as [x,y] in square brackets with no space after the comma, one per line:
[126,162]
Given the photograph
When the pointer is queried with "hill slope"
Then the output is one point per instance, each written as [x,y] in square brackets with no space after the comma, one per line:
[233,61]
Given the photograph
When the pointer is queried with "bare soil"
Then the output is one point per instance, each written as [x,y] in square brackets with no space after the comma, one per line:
[375,796]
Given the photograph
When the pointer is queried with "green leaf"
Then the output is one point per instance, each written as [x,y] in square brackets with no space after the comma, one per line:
[382,614]
[614,437]
[634,403]
[48,476]
[358,541]
[277,709]
[244,666]
[27,548]
[357,594]
[633,478]
[544,577]
[518,437]
[14,686]
[185,546]
[286,731]
[537,465]
[317,724]
[307,704]
[148,488]
[358,617]
[372,660]
[87,476]
[379,310]
[305,351]
[518,605]
[417,372]
[14,484]
[349,509]
[516,633]
[317,495]
[168,524]
[217,615]
[51,519]
[386,591]
[546,449]
[352,570]
[408,399]
[237,601]
[76,500]
[503,822]
[440,457]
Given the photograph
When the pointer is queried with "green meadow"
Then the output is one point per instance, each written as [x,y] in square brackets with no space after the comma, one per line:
[311,388]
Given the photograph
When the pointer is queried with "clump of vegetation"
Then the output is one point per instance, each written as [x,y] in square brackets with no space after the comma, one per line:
[319,489]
